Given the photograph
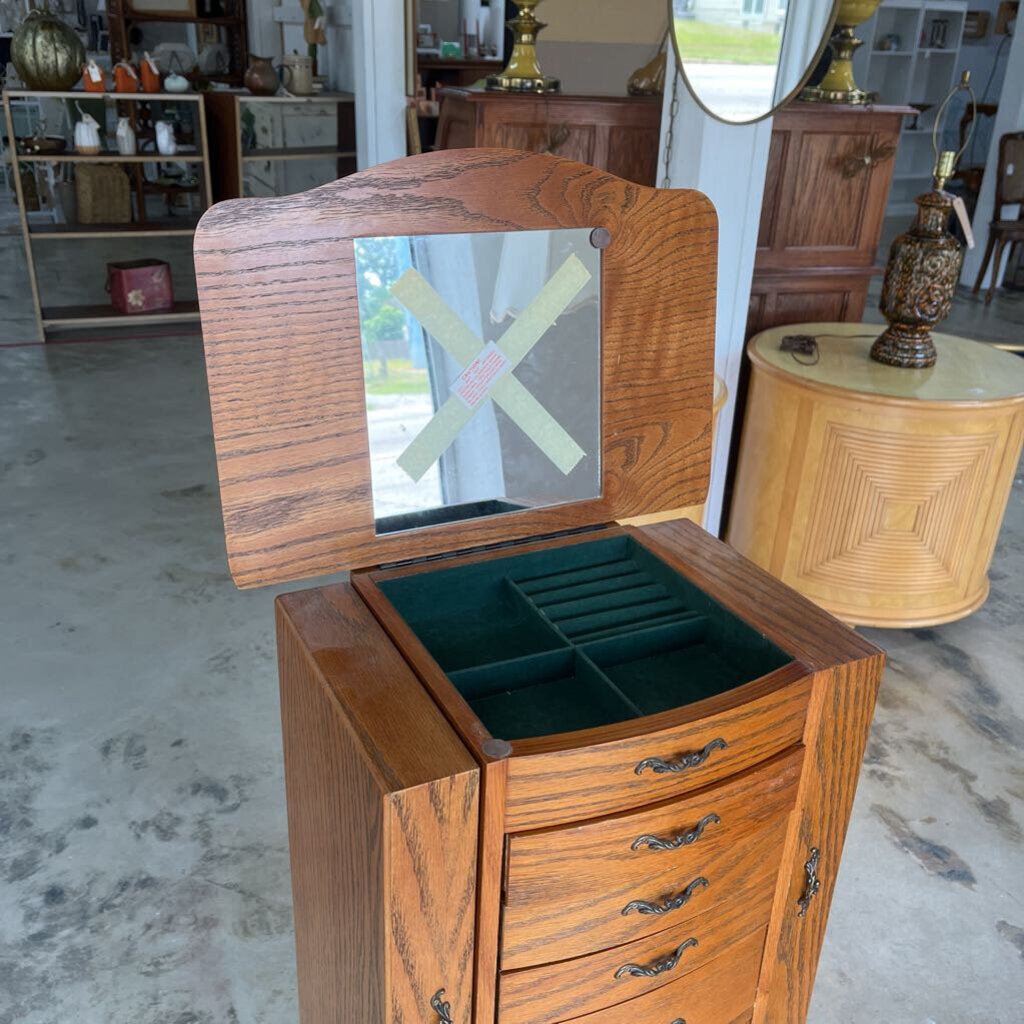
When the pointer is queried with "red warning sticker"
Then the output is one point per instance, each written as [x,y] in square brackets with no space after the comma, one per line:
[475,382]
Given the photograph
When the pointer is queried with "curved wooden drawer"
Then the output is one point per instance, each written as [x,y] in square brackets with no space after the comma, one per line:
[549,786]
[566,889]
[721,992]
[574,988]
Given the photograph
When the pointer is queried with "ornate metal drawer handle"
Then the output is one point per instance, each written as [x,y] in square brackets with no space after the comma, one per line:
[636,971]
[685,839]
[681,763]
[441,1008]
[643,907]
[813,884]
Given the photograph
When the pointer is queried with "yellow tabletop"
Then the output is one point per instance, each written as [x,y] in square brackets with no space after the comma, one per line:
[965,371]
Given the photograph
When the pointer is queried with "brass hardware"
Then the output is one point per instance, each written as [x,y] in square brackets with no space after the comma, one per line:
[441,1008]
[681,763]
[813,884]
[673,903]
[684,839]
[522,73]
[636,971]
[851,166]
[839,85]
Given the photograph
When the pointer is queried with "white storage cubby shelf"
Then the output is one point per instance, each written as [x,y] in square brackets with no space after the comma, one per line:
[911,55]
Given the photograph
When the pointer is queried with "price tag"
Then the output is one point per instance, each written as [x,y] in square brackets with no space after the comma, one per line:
[960,209]
[94,72]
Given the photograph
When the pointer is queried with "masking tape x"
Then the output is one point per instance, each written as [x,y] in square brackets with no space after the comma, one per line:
[450,331]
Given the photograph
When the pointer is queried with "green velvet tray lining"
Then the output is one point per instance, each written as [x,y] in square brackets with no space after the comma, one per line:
[585,635]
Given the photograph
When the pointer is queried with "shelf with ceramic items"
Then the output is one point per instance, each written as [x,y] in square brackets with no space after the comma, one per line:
[303,141]
[152,203]
[226,17]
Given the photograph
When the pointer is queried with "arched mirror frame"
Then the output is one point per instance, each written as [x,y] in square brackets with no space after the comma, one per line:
[808,71]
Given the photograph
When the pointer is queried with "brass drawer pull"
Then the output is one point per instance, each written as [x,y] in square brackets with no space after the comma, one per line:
[685,839]
[681,763]
[643,907]
[813,884]
[441,1008]
[636,971]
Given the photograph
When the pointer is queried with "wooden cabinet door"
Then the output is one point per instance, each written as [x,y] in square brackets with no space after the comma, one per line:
[826,188]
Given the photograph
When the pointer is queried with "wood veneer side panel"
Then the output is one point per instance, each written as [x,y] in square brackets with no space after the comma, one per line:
[335,811]
[490,872]
[838,721]
[430,897]
[383,807]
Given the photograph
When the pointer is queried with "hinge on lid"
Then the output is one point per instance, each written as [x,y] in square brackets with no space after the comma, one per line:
[461,552]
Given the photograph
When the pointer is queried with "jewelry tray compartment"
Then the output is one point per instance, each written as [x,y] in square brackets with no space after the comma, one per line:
[578,636]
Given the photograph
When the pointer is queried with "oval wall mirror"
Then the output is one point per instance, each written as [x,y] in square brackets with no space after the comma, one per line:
[743,59]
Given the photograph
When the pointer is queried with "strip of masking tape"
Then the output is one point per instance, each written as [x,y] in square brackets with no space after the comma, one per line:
[452,333]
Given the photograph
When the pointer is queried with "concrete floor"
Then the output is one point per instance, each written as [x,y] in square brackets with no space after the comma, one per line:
[143,845]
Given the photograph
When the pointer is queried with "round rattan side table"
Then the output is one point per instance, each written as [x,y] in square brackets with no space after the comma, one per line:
[875,491]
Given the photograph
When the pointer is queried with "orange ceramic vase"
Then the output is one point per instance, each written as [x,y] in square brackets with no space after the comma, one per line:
[93,78]
[149,74]
[125,78]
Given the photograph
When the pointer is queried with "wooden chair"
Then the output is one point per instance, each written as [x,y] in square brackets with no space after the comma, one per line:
[1009,189]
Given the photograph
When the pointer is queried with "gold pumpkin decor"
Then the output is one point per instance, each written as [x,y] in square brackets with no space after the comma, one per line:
[46,53]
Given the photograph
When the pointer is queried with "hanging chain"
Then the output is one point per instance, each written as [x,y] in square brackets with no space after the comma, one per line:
[673,111]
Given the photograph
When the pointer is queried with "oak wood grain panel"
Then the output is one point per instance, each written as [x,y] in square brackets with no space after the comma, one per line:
[490,866]
[842,705]
[573,988]
[566,888]
[722,992]
[430,893]
[279,308]
[575,926]
[599,778]
[382,813]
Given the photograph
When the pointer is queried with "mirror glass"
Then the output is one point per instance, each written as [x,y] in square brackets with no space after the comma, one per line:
[742,59]
[482,372]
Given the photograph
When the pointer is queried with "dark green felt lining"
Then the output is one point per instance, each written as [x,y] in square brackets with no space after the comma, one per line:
[579,636]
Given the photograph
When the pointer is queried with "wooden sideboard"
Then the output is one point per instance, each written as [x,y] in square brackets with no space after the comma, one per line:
[616,133]
[829,173]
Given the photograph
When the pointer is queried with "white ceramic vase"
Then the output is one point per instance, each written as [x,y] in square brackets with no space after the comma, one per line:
[87,134]
[165,142]
[125,137]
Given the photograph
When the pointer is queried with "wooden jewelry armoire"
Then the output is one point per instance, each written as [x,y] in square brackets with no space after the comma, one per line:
[540,767]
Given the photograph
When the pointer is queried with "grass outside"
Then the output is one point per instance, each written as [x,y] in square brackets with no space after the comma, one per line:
[401,379]
[701,41]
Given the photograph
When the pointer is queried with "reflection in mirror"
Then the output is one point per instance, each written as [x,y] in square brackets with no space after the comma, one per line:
[742,59]
[482,373]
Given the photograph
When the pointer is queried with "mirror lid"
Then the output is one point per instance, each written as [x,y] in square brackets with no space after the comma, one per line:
[277,294]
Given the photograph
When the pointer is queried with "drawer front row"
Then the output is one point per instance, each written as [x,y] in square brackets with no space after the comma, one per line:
[549,789]
[577,988]
[574,890]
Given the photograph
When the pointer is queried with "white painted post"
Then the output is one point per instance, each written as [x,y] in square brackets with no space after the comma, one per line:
[379,58]
[728,164]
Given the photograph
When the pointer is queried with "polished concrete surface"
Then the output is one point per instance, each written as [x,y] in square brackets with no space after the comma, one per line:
[144,852]
[143,848]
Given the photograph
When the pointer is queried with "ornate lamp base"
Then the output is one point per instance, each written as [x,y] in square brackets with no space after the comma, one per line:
[908,346]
